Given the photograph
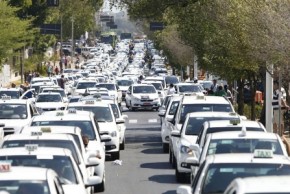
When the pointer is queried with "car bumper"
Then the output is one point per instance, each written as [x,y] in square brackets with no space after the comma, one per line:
[113,145]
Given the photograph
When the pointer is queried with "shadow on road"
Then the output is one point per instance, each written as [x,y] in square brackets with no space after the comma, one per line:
[157,144]
[143,128]
[170,192]
[143,139]
[152,151]
[156,165]
[164,178]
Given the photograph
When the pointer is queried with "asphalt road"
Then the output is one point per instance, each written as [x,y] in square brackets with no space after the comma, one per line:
[145,168]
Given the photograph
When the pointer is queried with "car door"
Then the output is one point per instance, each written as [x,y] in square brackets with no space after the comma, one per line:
[128,95]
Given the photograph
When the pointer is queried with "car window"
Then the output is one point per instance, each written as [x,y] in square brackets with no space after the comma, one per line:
[173,108]
[143,89]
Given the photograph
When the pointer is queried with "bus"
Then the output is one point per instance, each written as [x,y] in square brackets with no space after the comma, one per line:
[109,38]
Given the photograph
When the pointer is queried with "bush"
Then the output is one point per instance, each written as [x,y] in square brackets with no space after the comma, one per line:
[247,110]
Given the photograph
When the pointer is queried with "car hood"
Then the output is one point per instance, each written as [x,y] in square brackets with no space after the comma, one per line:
[123,88]
[189,140]
[49,104]
[79,189]
[107,126]
[150,96]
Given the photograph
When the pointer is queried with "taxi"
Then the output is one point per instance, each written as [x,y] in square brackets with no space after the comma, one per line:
[58,159]
[15,114]
[18,179]
[188,135]
[50,101]
[15,93]
[82,85]
[106,122]
[258,185]
[217,171]
[89,127]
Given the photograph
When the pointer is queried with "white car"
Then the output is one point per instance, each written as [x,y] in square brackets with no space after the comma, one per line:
[14,93]
[106,122]
[57,90]
[18,179]
[142,96]
[188,135]
[86,122]
[58,159]
[82,85]
[217,171]
[49,102]
[257,185]
[159,87]
[182,88]
[123,84]
[113,91]
[15,114]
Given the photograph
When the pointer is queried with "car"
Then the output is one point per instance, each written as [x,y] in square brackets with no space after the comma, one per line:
[158,86]
[106,121]
[89,126]
[258,185]
[82,85]
[58,159]
[15,114]
[157,78]
[36,86]
[142,96]
[50,101]
[217,171]
[113,90]
[14,93]
[58,90]
[169,113]
[188,135]
[17,179]
[123,84]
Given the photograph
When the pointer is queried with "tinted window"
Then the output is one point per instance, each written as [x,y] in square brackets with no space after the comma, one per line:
[144,89]
[102,114]
[108,86]
[188,108]
[19,186]
[219,176]
[61,92]
[158,86]
[13,94]
[220,129]
[48,98]
[189,88]
[13,111]
[171,80]
[85,126]
[85,85]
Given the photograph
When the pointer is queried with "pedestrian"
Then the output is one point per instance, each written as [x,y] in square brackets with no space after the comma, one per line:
[49,69]
[56,70]
[171,90]
[220,91]
[60,65]
[13,85]
[214,86]
[62,82]
[228,93]
[278,102]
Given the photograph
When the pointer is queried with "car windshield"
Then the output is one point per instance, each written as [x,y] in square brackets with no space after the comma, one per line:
[102,114]
[61,92]
[194,124]
[62,165]
[188,88]
[223,146]
[158,86]
[13,111]
[188,108]
[171,80]
[124,82]
[13,94]
[144,90]
[110,87]
[67,71]
[84,85]
[49,98]
[20,186]
[44,143]
[85,126]
[219,176]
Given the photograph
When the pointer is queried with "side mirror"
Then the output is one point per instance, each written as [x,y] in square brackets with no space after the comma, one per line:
[161,113]
[175,133]
[120,121]
[183,190]
[92,162]
[92,181]
[159,92]
[105,138]
[192,161]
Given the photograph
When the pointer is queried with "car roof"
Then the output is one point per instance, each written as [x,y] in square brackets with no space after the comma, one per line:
[14,101]
[88,103]
[10,89]
[226,123]
[44,136]
[212,114]
[25,173]
[49,93]
[45,151]
[63,115]
[193,99]
[248,135]
[52,129]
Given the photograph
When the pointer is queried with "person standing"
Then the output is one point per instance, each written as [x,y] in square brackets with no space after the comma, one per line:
[171,89]
[278,102]
[214,86]
[220,91]
[56,70]
[228,93]
[62,81]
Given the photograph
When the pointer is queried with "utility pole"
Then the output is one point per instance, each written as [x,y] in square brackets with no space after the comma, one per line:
[72,39]
[269,98]
[21,64]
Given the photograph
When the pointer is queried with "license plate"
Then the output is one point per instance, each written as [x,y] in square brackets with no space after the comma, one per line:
[146,103]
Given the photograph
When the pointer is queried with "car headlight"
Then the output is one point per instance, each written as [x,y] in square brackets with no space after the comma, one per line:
[114,134]
[186,150]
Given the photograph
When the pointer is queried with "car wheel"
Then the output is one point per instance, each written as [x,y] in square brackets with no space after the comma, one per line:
[165,148]
[100,187]
[122,145]
[170,156]
[180,177]
[115,155]
[173,161]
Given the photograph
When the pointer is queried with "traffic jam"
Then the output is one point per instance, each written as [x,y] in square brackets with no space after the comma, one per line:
[58,134]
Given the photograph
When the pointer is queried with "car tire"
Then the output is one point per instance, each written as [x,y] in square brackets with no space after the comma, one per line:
[174,163]
[180,177]
[100,187]
[122,145]
[170,155]
[165,148]
[115,155]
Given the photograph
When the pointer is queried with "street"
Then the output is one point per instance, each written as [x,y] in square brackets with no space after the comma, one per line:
[145,168]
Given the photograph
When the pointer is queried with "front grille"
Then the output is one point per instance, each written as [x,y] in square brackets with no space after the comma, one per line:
[49,109]
[110,147]
[8,131]
[147,100]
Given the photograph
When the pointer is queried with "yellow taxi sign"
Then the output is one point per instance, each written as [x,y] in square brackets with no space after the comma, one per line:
[5,167]
[45,129]
[59,114]
[89,102]
[72,111]
[233,114]
[31,147]
[200,97]
[235,121]
[6,97]
[263,153]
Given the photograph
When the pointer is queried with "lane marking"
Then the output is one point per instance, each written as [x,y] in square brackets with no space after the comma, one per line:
[152,121]
[132,121]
